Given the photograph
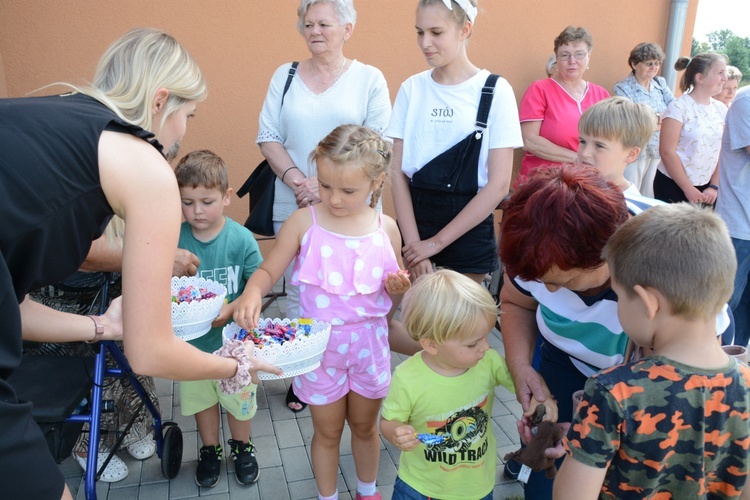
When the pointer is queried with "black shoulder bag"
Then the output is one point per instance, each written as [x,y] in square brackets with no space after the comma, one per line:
[260,186]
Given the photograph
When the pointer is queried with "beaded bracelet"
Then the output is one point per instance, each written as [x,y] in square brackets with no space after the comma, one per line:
[287,170]
[235,349]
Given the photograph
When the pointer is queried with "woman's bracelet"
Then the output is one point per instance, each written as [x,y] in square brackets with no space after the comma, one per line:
[714,186]
[235,349]
[287,170]
[98,328]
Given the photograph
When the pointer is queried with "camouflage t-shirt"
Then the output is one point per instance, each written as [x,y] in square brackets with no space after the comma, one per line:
[665,430]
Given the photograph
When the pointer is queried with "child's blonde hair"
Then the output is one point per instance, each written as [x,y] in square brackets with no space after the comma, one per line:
[682,251]
[445,305]
[202,168]
[619,119]
[348,144]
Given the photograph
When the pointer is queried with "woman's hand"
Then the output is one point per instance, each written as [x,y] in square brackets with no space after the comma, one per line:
[397,283]
[421,268]
[259,364]
[709,195]
[306,192]
[185,263]
[113,320]
[694,195]
[420,250]
[529,385]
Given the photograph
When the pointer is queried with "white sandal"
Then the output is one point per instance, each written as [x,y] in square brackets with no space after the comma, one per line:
[143,449]
[116,469]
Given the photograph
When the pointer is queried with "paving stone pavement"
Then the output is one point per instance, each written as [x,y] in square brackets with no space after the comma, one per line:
[282,439]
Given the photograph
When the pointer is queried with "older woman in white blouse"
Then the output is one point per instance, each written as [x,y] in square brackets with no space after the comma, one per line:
[328,90]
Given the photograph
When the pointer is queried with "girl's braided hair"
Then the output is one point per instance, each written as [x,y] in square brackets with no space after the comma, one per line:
[355,144]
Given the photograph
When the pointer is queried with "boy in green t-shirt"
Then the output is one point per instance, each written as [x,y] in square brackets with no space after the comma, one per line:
[442,396]
[228,254]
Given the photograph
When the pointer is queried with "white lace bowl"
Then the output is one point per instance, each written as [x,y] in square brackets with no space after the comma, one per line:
[295,357]
[191,320]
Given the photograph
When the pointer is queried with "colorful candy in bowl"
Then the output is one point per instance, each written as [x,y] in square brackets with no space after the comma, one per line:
[294,345]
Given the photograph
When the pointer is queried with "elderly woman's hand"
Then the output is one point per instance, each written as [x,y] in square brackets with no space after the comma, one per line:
[185,263]
[306,192]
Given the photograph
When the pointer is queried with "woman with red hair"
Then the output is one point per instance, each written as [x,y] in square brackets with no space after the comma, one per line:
[555,226]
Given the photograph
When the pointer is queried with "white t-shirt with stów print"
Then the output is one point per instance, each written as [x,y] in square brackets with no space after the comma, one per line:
[430,118]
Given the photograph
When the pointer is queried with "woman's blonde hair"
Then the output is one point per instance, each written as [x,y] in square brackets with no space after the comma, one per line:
[446,305]
[355,144]
[457,13]
[114,232]
[135,66]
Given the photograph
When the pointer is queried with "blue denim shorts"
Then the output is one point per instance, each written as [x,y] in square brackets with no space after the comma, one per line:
[402,491]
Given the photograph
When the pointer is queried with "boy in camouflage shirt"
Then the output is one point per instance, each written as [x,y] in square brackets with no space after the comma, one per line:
[675,424]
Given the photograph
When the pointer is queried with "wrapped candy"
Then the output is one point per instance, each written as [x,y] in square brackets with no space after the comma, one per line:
[276,333]
[430,439]
[190,293]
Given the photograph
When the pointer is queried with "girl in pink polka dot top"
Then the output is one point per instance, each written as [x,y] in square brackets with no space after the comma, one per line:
[348,267]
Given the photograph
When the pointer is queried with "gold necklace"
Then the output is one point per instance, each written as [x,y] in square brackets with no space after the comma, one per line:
[341,69]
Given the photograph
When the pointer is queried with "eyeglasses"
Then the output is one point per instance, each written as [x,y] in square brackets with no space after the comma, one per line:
[651,64]
[566,56]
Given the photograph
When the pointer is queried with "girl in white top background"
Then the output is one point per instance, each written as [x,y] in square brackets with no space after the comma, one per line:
[691,130]
[433,111]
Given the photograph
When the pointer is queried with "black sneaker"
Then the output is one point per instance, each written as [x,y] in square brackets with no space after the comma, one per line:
[245,463]
[209,466]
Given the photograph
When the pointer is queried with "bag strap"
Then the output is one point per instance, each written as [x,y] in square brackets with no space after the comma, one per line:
[485,103]
[292,71]
[241,192]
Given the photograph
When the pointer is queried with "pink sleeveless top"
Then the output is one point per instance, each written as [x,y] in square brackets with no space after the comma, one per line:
[341,278]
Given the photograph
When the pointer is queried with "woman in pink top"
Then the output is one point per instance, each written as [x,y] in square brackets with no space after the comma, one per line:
[550,108]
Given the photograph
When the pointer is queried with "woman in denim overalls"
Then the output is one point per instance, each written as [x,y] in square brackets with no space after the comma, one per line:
[454,129]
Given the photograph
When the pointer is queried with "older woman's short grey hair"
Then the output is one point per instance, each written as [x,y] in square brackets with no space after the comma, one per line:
[645,52]
[571,35]
[344,10]
[733,73]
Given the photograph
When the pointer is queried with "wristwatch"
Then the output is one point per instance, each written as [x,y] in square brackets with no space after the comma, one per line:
[98,328]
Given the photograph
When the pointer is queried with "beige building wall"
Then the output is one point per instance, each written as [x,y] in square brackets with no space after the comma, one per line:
[239,43]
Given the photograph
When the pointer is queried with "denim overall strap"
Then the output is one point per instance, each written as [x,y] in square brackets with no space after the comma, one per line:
[455,169]
[485,103]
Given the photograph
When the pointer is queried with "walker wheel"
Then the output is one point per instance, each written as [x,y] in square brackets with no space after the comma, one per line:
[171,455]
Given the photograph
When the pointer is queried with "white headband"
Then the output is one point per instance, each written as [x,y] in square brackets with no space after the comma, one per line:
[471,11]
